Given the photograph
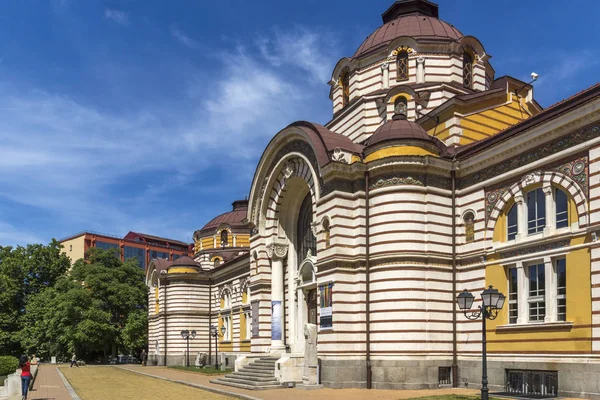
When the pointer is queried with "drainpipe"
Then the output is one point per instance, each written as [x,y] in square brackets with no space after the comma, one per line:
[209,318]
[454,349]
[165,320]
[368,282]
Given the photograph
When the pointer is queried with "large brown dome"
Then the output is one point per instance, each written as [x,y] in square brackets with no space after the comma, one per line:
[234,218]
[398,129]
[413,18]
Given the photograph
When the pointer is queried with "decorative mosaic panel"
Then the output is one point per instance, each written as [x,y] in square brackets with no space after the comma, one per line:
[535,249]
[410,179]
[555,146]
[576,170]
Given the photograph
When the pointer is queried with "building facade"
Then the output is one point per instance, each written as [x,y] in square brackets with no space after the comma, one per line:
[433,176]
[140,246]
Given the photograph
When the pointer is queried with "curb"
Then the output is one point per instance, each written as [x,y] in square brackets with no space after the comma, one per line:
[196,385]
[68,386]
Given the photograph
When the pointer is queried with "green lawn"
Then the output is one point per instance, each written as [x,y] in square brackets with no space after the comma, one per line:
[203,370]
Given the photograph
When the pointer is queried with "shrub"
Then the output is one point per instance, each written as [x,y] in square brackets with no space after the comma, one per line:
[8,365]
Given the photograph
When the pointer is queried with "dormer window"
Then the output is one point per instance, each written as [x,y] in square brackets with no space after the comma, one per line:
[400,106]
[402,66]
[467,70]
[345,84]
[224,238]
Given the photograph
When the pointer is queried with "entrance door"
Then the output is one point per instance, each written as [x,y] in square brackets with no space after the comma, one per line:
[311,305]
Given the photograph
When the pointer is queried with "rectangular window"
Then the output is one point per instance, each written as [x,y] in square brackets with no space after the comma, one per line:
[445,376]
[561,289]
[109,246]
[159,254]
[512,226]
[562,208]
[137,253]
[530,383]
[248,317]
[537,292]
[536,211]
[513,298]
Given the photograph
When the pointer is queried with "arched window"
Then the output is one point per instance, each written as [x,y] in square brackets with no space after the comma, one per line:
[327,232]
[305,238]
[469,227]
[536,211]
[512,223]
[216,262]
[345,84]
[402,66]
[226,300]
[467,70]
[562,208]
[400,106]
[224,238]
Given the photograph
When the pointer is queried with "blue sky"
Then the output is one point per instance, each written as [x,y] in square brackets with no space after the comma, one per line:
[151,115]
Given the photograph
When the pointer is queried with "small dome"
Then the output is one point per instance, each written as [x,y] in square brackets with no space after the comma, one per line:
[413,18]
[183,264]
[397,129]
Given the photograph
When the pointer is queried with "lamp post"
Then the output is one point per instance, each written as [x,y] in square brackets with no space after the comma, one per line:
[214,332]
[186,334]
[492,302]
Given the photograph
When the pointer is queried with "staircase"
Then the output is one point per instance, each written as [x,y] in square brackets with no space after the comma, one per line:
[259,375]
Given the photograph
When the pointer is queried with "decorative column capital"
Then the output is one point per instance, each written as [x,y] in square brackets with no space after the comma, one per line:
[547,189]
[277,250]
[519,198]
[385,66]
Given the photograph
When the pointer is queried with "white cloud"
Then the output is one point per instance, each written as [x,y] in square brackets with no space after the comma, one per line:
[183,38]
[120,17]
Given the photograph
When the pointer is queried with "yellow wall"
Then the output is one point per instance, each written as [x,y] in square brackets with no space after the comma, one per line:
[243,326]
[399,151]
[228,346]
[579,311]
[74,248]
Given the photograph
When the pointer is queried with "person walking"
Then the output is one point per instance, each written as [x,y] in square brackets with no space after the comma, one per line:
[143,357]
[25,375]
[74,361]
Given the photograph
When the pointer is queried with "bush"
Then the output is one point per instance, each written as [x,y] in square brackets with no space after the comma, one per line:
[8,365]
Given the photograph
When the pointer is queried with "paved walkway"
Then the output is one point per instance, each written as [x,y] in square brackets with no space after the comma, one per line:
[202,381]
[48,384]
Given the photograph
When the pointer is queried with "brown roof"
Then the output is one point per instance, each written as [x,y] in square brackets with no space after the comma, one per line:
[185,261]
[161,264]
[398,129]
[416,26]
[549,113]
[232,218]
[133,235]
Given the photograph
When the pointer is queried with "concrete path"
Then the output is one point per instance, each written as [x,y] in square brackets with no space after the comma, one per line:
[49,384]
[291,394]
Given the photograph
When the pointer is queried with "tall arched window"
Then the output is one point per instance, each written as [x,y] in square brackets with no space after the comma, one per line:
[402,66]
[400,106]
[305,238]
[469,227]
[536,211]
[224,238]
[345,83]
[512,223]
[562,208]
[467,70]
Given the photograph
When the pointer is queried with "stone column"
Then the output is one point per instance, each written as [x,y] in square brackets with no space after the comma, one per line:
[234,240]
[521,216]
[385,75]
[277,252]
[550,290]
[420,70]
[522,294]
[550,211]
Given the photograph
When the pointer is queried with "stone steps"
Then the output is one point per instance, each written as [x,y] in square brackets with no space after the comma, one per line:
[259,375]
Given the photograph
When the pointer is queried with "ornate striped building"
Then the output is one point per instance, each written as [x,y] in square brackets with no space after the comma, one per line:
[433,176]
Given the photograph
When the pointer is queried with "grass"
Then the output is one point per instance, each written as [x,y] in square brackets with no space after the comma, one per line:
[105,382]
[204,370]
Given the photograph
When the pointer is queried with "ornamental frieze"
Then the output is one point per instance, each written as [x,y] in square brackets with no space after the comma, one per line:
[555,146]
[535,249]
[410,179]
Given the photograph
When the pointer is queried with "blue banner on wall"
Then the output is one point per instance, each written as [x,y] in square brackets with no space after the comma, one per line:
[276,320]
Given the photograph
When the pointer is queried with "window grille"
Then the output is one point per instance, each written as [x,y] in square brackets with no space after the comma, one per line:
[402,66]
[224,238]
[305,240]
[532,383]
[345,83]
[445,375]
[513,298]
[561,289]
[562,208]
[537,282]
[536,211]
[467,70]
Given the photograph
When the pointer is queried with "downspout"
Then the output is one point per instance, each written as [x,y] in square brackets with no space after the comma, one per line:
[209,317]
[165,320]
[454,346]
[368,282]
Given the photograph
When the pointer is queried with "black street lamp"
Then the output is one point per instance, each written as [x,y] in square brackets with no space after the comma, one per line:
[214,332]
[492,302]
[186,334]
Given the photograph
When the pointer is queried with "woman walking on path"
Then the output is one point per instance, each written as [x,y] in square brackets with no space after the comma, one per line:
[25,375]
[74,361]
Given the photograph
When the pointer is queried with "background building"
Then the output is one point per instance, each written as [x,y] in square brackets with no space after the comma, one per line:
[134,245]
